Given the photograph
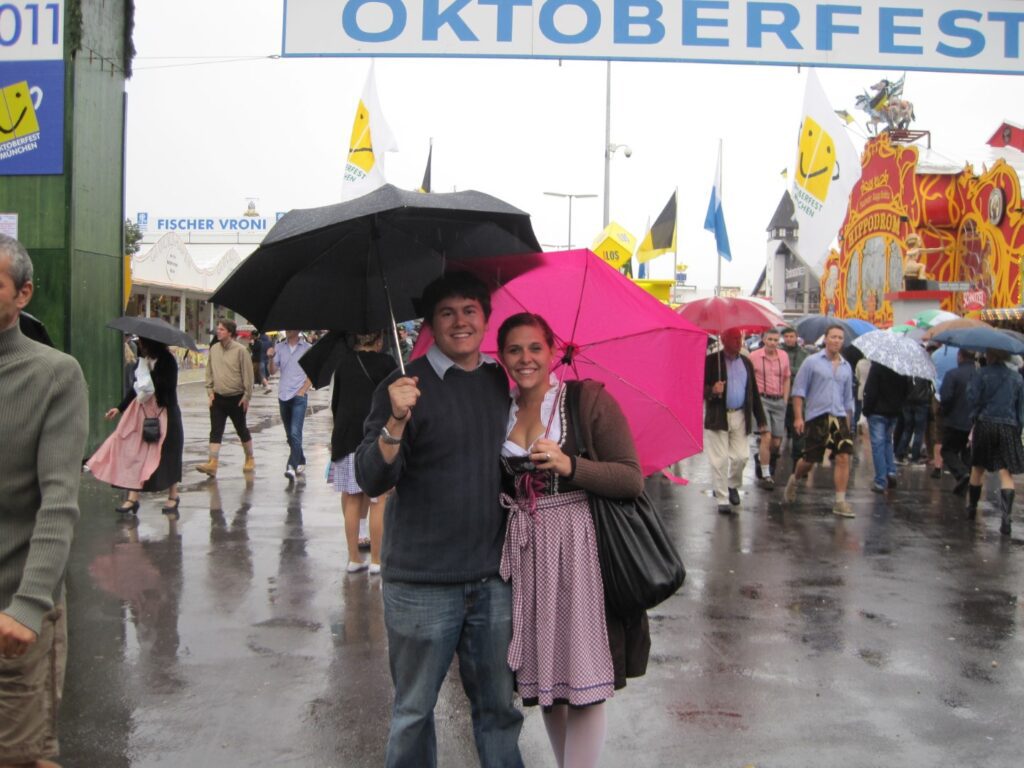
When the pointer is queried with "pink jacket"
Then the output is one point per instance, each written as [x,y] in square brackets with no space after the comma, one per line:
[125,459]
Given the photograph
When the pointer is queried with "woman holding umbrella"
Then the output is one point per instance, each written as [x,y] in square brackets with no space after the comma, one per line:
[996,397]
[560,649]
[163,370]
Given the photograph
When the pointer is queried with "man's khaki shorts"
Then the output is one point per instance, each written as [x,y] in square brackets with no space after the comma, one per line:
[30,692]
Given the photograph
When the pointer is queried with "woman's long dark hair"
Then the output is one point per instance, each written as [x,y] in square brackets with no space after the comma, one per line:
[150,348]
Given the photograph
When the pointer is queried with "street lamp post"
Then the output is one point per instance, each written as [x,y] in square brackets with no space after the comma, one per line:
[570,196]
[609,148]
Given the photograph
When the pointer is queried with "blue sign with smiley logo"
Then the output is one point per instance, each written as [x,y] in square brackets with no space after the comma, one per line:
[31,118]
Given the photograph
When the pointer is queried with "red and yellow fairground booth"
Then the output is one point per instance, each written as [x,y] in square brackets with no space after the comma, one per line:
[971,229]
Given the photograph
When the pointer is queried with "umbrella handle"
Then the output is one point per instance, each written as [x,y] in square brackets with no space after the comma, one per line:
[374,237]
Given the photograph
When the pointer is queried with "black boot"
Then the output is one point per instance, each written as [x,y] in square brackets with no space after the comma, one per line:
[757,466]
[773,462]
[973,496]
[1006,506]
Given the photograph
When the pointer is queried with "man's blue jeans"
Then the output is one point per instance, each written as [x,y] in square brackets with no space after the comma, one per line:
[293,417]
[427,625]
[880,428]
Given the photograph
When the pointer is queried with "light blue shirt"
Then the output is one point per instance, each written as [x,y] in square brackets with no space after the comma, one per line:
[825,388]
[441,363]
[736,382]
[286,360]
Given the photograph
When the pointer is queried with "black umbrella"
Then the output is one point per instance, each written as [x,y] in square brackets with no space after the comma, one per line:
[154,328]
[33,327]
[336,267]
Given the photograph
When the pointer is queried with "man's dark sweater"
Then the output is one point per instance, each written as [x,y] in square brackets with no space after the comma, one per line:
[444,523]
[885,392]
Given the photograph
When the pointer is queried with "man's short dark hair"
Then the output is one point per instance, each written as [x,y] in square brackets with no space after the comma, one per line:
[230,326]
[459,284]
[830,326]
[787,329]
[775,331]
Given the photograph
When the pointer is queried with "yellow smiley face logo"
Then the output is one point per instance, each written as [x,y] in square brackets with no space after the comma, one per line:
[360,153]
[817,166]
[17,115]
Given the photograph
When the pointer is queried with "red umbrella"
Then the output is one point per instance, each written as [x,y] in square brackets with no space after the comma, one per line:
[717,313]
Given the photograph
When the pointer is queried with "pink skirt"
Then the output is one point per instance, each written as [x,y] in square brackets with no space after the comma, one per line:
[559,649]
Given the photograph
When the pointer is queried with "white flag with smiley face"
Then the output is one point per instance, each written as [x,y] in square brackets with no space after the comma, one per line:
[371,138]
[826,168]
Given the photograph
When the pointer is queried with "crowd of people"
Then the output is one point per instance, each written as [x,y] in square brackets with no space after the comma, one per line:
[966,423]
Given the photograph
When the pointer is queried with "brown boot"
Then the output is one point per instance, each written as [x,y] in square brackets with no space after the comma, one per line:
[250,464]
[208,467]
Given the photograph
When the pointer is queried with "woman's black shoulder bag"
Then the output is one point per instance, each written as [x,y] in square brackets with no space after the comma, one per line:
[639,564]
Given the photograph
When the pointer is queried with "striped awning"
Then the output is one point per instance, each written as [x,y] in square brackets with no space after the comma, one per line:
[1014,314]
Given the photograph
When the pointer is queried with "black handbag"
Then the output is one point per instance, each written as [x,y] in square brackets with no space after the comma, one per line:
[150,428]
[640,567]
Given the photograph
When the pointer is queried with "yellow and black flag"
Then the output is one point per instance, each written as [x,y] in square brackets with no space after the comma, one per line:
[661,237]
[425,186]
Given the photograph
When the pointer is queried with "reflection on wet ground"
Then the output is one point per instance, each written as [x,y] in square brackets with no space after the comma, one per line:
[232,637]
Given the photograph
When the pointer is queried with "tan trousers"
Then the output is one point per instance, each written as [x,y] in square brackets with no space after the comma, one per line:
[727,453]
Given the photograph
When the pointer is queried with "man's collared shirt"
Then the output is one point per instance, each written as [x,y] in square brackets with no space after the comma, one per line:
[441,363]
[825,388]
[770,373]
[286,359]
[736,382]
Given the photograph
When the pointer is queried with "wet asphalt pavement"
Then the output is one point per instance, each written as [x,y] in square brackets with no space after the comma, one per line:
[233,637]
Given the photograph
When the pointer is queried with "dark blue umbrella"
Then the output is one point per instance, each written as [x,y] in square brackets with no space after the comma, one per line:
[812,327]
[860,327]
[979,339]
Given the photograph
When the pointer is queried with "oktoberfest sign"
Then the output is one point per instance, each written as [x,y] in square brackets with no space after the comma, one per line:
[31,88]
[950,35]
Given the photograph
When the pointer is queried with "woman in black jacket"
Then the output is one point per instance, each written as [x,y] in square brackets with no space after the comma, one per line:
[356,377]
[164,372]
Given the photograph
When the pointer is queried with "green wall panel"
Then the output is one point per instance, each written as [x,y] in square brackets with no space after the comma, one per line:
[97,348]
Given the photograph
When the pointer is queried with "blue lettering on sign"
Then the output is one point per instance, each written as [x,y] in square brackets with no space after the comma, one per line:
[505,15]
[14,14]
[888,29]
[1011,34]
[350,22]
[434,19]
[827,27]
[11,16]
[757,26]
[625,20]
[693,21]
[975,40]
[552,33]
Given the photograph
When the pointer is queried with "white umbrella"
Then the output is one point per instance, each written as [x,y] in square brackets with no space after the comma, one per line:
[897,352]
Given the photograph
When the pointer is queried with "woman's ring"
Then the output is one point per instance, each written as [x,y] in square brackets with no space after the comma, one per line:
[547,456]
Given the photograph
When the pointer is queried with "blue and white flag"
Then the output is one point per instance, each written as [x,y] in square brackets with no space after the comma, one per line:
[715,219]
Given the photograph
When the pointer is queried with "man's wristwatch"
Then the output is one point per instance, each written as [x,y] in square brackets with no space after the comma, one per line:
[388,438]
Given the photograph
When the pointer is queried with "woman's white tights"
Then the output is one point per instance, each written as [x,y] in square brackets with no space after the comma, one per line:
[576,734]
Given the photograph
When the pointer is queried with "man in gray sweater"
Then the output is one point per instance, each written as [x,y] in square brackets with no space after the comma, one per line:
[43,427]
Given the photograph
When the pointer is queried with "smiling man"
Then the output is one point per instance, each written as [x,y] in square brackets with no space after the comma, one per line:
[435,435]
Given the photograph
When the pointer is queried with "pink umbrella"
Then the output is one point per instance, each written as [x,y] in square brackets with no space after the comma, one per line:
[717,313]
[606,328]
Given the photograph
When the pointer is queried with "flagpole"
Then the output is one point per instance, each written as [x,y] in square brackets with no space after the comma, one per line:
[675,251]
[718,289]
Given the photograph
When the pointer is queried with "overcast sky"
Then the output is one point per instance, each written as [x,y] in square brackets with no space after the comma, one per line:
[204,135]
